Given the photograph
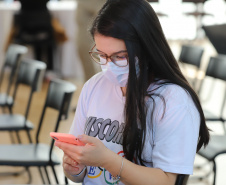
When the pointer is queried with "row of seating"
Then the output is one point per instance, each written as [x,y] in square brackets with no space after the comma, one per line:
[30,72]
[216,68]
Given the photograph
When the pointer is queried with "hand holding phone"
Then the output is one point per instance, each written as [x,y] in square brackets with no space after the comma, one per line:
[66,138]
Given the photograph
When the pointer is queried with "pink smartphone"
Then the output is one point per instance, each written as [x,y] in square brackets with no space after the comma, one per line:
[67,138]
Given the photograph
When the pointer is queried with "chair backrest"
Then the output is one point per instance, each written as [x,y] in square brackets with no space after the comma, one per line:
[31,73]
[58,97]
[59,94]
[217,67]
[12,60]
[217,36]
[182,179]
[191,54]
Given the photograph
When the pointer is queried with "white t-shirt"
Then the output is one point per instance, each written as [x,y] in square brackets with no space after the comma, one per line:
[170,145]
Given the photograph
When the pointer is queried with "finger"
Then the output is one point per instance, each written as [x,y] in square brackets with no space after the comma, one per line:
[67,159]
[87,139]
[70,168]
[70,150]
[64,146]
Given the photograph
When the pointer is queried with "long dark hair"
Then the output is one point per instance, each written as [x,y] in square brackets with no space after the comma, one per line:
[135,22]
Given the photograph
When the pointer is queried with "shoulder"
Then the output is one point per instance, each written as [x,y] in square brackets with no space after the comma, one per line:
[172,99]
[170,93]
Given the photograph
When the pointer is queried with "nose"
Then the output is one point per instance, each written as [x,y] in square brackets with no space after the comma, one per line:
[109,59]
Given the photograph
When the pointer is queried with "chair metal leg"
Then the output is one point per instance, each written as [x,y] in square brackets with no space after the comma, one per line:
[11,137]
[29,175]
[47,175]
[214,172]
[223,125]
[10,109]
[29,136]
[18,137]
[40,172]
[66,180]
[55,175]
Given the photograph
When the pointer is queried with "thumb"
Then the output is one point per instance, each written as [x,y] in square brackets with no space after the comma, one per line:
[86,139]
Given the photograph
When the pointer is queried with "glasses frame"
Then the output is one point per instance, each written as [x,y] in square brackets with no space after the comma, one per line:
[91,51]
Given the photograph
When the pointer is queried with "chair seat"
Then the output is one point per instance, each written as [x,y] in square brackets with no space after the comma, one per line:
[14,122]
[26,155]
[5,100]
[209,116]
[215,147]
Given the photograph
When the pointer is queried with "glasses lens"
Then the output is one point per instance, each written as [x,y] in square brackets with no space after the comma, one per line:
[120,60]
[99,58]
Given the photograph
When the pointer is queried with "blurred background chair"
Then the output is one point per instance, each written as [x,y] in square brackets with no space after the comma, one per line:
[217,36]
[33,26]
[191,55]
[9,69]
[217,71]
[31,74]
[39,154]
[216,147]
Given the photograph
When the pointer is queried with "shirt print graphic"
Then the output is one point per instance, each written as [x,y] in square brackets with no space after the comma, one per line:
[112,132]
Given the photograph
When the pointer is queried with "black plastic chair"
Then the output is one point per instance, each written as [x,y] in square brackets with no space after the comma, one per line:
[192,55]
[217,36]
[182,179]
[31,74]
[216,70]
[39,154]
[215,148]
[12,60]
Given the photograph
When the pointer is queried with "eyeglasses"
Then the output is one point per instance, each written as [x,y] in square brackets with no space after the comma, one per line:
[117,58]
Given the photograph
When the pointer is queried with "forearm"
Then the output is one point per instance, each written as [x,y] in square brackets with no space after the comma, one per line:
[75,179]
[133,174]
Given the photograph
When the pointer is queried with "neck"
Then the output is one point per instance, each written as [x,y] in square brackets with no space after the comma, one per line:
[123,90]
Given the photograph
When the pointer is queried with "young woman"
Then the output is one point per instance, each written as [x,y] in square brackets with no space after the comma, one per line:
[140,119]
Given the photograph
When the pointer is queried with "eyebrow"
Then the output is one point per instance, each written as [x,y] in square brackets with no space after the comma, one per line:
[113,53]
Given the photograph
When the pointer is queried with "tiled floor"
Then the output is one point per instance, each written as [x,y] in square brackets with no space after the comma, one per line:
[36,107]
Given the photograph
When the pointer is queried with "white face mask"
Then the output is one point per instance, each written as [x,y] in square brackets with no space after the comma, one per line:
[117,75]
